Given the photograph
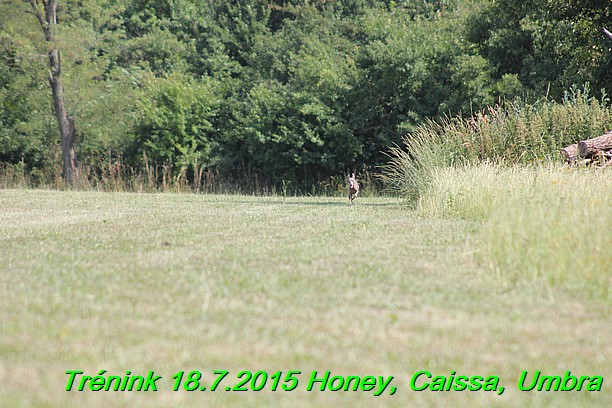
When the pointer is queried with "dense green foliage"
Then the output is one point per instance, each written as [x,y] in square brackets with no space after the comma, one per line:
[282,90]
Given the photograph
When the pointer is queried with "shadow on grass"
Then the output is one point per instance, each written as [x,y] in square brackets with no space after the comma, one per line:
[318,201]
[342,204]
[329,203]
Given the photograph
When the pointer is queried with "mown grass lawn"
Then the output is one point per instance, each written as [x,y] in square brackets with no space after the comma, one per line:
[110,281]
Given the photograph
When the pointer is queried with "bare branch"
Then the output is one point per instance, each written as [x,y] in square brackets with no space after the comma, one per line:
[606,32]
[43,24]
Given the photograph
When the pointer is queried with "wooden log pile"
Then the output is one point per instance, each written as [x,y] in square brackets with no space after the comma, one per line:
[597,150]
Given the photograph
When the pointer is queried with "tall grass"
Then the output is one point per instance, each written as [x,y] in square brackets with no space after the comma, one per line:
[542,224]
[471,191]
[114,175]
[509,133]
[547,226]
[553,230]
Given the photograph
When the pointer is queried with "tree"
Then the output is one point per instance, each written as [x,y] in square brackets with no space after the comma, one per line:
[48,24]
[551,46]
[175,121]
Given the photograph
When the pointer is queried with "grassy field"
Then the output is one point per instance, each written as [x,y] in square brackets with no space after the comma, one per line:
[116,281]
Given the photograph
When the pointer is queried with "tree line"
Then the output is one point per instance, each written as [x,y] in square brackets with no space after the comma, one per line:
[285,90]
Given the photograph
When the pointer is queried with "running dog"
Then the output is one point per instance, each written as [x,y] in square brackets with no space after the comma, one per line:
[353,188]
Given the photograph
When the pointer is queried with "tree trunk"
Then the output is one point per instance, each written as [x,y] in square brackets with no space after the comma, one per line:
[66,124]
[588,148]
[570,153]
